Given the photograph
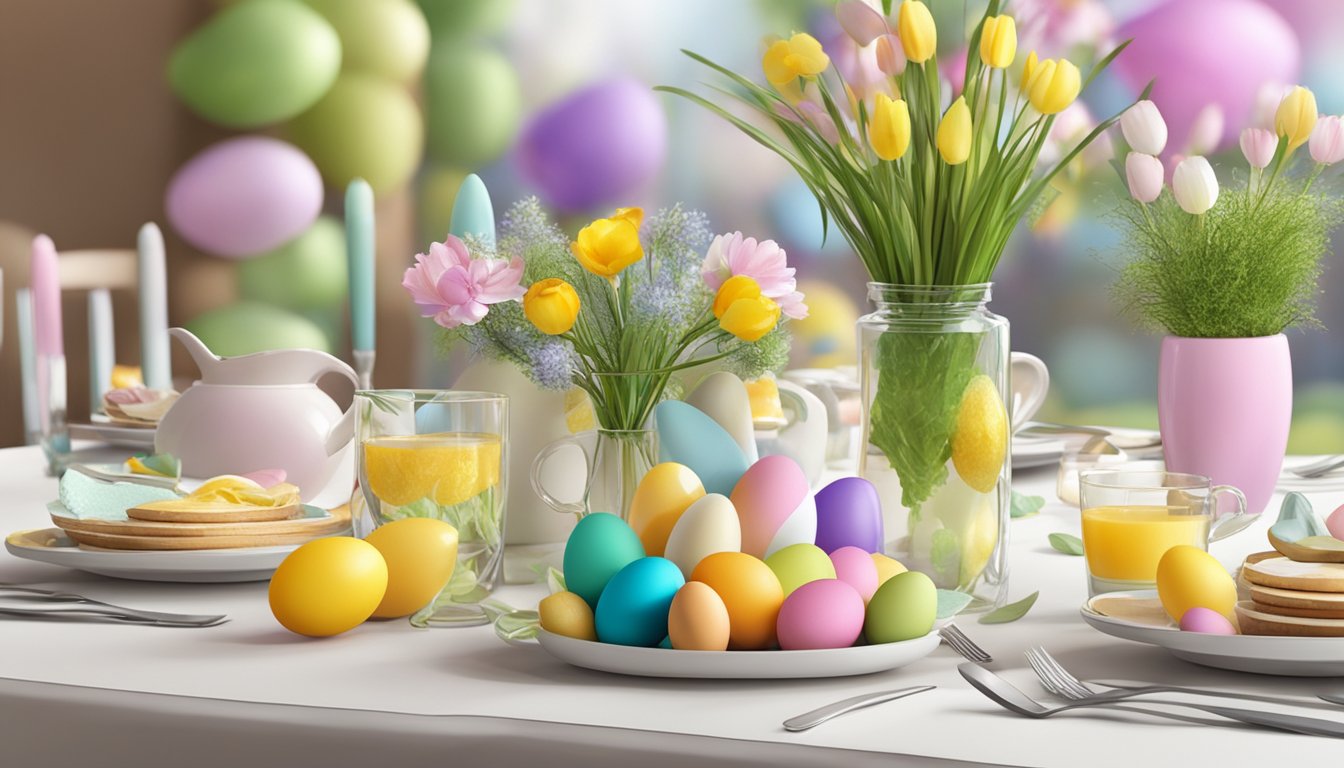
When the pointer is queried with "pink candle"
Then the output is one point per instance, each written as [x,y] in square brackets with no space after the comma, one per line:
[46,287]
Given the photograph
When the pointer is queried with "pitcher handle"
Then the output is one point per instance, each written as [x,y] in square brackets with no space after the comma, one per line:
[577,508]
[343,431]
[1227,525]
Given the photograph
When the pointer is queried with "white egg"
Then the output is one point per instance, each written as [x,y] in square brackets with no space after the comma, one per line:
[800,527]
[723,397]
[709,525]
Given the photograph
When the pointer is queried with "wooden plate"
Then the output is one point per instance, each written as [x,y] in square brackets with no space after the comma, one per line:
[312,523]
[1257,622]
[232,515]
[1289,574]
[1295,599]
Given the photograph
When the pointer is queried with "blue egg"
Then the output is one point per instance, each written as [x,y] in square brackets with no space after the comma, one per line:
[633,608]
[598,548]
[690,437]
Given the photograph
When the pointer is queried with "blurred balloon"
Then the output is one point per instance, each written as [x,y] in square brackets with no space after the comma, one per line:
[795,215]
[388,38]
[244,196]
[249,326]
[825,338]
[466,18]
[438,192]
[594,146]
[256,63]
[365,127]
[1197,51]
[473,104]
[308,272]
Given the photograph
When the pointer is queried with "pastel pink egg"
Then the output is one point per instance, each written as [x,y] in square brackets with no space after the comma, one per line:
[1206,620]
[775,506]
[820,614]
[856,568]
[1335,523]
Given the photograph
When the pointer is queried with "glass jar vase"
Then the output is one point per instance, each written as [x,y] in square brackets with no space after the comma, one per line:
[934,369]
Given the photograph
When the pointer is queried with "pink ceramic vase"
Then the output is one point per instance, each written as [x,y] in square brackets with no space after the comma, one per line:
[1224,406]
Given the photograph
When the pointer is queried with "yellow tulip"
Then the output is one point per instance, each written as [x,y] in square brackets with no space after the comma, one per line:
[889,131]
[633,215]
[1054,85]
[1296,117]
[608,246]
[998,41]
[788,60]
[919,35]
[1028,69]
[734,288]
[552,305]
[954,133]
[743,311]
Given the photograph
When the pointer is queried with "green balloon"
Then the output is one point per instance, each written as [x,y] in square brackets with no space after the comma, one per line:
[388,38]
[365,127]
[308,272]
[473,103]
[466,18]
[256,63]
[438,191]
[249,326]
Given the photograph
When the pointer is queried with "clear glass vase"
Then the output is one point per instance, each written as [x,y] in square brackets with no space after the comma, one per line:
[616,459]
[934,367]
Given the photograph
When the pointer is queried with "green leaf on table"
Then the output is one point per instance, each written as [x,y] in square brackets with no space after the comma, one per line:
[1023,505]
[1010,612]
[951,602]
[1066,543]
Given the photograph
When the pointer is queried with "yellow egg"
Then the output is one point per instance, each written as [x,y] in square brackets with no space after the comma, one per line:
[698,619]
[750,591]
[1188,577]
[980,437]
[328,586]
[664,493]
[420,554]
[565,613]
[886,567]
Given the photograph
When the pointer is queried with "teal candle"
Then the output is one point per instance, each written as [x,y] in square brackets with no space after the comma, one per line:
[359,237]
[472,213]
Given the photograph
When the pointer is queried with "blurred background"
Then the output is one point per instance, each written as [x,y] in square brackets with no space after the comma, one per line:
[552,98]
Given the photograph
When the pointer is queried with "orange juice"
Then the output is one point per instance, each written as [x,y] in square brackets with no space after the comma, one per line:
[1124,543]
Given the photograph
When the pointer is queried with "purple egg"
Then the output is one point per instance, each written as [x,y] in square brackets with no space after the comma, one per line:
[595,145]
[244,197]
[849,514]
[1206,620]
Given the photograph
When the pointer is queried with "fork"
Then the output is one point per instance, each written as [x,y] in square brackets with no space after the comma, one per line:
[83,604]
[1319,468]
[1055,679]
[959,642]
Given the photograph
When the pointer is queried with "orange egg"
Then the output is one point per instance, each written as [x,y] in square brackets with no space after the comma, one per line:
[698,619]
[750,591]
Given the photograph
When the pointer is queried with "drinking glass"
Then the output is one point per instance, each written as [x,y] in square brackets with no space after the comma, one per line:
[440,454]
[1131,517]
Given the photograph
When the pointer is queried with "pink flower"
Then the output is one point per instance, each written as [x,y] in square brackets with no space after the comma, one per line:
[1206,133]
[1144,175]
[861,21]
[763,261]
[1327,141]
[815,116]
[455,289]
[1258,145]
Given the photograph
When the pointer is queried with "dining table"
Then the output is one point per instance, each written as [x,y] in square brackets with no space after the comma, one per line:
[248,692]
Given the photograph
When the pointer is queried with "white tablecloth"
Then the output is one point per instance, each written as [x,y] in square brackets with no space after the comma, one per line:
[388,694]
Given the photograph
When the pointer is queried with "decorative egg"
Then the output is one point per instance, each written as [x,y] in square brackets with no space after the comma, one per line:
[249,326]
[799,564]
[723,397]
[364,127]
[308,272]
[245,196]
[465,78]
[775,506]
[750,591]
[687,436]
[598,547]
[886,567]
[1206,620]
[820,614]
[387,38]
[849,514]
[565,613]
[660,499]
[903,608]
[633,609]
[421,553]
[1335,523]
[709,525]
[856,568]
[328,586]
[698,619]
[1188,576]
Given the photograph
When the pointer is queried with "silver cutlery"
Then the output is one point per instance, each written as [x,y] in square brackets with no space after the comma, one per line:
[822,714]
[1319,468]
[1058,684]
[53,612]
[1003,693]
[23,598]
[959,642]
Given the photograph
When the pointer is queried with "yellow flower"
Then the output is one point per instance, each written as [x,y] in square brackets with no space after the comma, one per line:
[1296,117]
[1028,69]
[608,246]
[919,35]
[788,60]
[998,41]
[743,311]
[1054,85]
[734,288]
[552,305]
[889,132]
[954,133]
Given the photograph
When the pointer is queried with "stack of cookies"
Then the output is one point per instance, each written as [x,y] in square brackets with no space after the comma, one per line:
[1288,597]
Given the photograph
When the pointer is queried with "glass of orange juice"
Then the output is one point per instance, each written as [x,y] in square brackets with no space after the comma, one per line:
[440,454]
[1131,517]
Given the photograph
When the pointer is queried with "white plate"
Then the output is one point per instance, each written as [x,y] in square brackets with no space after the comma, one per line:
[1261,654]
[1030,452]
[113,434]
[662,662]
[50,545]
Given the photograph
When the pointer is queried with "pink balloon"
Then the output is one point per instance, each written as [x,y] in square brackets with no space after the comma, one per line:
[244,197]
[1207,52]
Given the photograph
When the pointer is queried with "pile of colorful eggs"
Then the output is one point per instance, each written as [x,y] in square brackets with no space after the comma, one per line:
[769,566]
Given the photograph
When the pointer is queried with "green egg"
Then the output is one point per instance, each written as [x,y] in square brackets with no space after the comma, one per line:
[247,327]
[461,19]
[256,63]
[473,104]
[798,564]
[598,547]
[902,608]
[308,272]
[387,38]
[365,127]
[438,192]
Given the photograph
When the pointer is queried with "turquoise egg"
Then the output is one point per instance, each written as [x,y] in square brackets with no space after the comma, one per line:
[365,127]
[598,547]
[247,327]
[308,272]
[903,608]
[633,608]
[688,436]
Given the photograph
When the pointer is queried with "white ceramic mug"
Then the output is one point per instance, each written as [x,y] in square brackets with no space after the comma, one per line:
[1030,385]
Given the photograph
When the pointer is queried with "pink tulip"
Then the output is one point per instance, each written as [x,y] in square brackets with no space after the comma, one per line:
[1258,146]
[1144,174]
[860,21]
[1207,131]
[763,261]
[1327,141]
[455,289]
[890,55]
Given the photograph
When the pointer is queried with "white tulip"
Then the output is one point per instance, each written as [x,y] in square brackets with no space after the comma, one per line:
[1195,185]
[1144,128]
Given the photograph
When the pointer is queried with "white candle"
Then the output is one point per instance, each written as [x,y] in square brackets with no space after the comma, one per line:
[155,363]
[23,308]
[102,347]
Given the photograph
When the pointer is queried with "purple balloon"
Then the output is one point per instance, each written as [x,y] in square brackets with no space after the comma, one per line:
[1207,52]
[245,196]
[594,146]
[849,514]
